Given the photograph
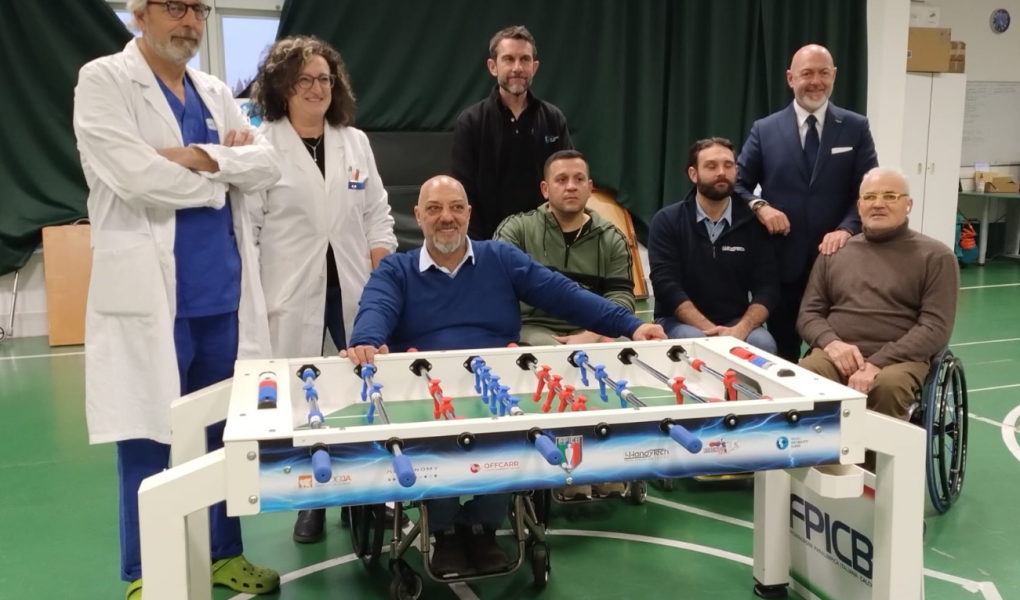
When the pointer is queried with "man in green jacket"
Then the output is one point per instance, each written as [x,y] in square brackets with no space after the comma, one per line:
[565,236]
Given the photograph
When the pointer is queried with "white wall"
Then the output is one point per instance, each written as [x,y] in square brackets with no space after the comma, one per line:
[990,57]
[888,25]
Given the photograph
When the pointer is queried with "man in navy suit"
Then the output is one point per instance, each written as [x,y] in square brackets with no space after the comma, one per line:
[809,160]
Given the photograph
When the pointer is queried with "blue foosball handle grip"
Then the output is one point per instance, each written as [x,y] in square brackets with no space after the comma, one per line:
[322,466]
[549,450]
[685,438]
[405,473]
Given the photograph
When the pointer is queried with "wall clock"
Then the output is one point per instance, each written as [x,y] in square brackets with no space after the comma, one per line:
[1000,20]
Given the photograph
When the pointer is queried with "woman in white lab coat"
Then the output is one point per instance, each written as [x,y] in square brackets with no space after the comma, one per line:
[323,228]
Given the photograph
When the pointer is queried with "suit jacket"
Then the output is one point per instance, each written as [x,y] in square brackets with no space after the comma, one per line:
[816,203]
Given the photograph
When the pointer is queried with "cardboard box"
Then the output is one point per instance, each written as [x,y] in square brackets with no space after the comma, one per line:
[957,50]
[928,50]
[924,16]
[957,66]
[67,262]
[993,182]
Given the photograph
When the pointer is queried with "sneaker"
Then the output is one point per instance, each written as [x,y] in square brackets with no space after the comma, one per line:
[484,551]
[448,558]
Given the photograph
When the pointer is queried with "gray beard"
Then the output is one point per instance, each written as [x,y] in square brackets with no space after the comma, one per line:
[178,55]
[448,248]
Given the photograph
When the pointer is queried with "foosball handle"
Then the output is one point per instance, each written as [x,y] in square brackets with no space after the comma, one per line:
[682,436]
[401,464]
[546,447]
[322,466]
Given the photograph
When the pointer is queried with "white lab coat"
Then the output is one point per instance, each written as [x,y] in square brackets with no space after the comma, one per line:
[296,218]
[121,117]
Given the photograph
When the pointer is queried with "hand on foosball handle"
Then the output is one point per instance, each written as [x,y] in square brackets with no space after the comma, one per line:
[363,355]
[648,331]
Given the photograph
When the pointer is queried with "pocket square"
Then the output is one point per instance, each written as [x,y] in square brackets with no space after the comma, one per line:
[842,150]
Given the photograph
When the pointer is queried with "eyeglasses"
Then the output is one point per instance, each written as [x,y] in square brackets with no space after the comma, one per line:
[887,197]
[326,81]
[177,9]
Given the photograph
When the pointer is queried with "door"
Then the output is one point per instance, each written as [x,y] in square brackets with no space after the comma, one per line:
[916,120]
[945,148]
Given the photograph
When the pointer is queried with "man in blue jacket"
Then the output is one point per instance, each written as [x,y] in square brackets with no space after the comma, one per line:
[809,160]
[455,294]
[708,254]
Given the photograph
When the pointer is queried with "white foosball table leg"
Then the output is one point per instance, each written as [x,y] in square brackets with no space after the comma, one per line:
[771,533]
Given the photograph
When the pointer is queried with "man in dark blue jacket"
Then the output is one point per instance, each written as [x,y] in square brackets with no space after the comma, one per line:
[809,160]
[708,253]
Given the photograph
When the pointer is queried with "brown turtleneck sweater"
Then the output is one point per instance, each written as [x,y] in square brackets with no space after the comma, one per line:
[893,295]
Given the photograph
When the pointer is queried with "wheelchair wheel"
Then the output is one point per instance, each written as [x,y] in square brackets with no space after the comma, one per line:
[946,422]
[368,523]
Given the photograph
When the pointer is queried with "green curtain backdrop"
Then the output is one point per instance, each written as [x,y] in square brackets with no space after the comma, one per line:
[638,80]
[42,47]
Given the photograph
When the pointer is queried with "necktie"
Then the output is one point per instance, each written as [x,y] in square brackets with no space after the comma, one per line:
[811,144]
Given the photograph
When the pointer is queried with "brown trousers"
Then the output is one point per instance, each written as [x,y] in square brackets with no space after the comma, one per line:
[895,387]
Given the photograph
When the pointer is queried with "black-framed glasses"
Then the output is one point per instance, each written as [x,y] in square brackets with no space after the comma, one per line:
[177,9]
[326,81]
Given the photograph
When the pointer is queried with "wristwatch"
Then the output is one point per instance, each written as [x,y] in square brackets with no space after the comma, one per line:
[757,204]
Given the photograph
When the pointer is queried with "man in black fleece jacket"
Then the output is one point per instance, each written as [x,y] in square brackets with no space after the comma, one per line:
[501,143]
[709,254]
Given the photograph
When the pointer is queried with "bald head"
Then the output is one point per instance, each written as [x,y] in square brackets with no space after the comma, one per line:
[811,76]
[810,53]
[884,201]
[443,214]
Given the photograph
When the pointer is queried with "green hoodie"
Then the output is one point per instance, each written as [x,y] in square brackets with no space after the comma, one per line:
[599,260]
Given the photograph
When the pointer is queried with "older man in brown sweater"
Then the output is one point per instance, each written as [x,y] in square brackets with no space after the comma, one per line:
[875,312]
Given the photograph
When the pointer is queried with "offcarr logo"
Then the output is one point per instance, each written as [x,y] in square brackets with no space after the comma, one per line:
[570,446]
[646,454]
[496,465]
[305,482]
[850,550]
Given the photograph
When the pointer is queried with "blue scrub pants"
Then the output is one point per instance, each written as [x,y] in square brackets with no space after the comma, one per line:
[206,351]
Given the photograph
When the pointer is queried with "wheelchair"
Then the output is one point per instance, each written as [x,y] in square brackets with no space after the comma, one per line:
[528,512]
[941,409]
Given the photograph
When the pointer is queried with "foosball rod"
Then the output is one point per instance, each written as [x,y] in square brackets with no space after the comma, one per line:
[673,385]
[699,365]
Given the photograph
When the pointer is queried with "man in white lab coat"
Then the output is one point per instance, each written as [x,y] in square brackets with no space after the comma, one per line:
[175,296]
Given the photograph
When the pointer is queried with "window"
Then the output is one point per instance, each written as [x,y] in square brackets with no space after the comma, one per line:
[125,17]
[246,40]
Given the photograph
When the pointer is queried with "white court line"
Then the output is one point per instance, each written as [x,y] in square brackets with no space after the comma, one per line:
[992,422]
[42,355]
[1009,432]
[984,287]
[989,362]
[984,342]
[987,589]
[997,387]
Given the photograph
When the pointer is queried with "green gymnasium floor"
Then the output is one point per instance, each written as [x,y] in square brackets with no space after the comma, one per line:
[58,500]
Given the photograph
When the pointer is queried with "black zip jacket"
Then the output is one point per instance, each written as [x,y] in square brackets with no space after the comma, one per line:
[716,278]
[478,163]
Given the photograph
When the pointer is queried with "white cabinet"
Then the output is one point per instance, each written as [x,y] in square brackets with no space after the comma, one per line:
[932,146]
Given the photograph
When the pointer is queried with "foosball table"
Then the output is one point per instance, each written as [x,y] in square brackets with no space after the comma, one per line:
[308,433]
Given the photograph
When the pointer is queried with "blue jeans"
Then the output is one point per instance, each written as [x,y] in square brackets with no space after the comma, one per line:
[759,338]
[489,511]
[206,351]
